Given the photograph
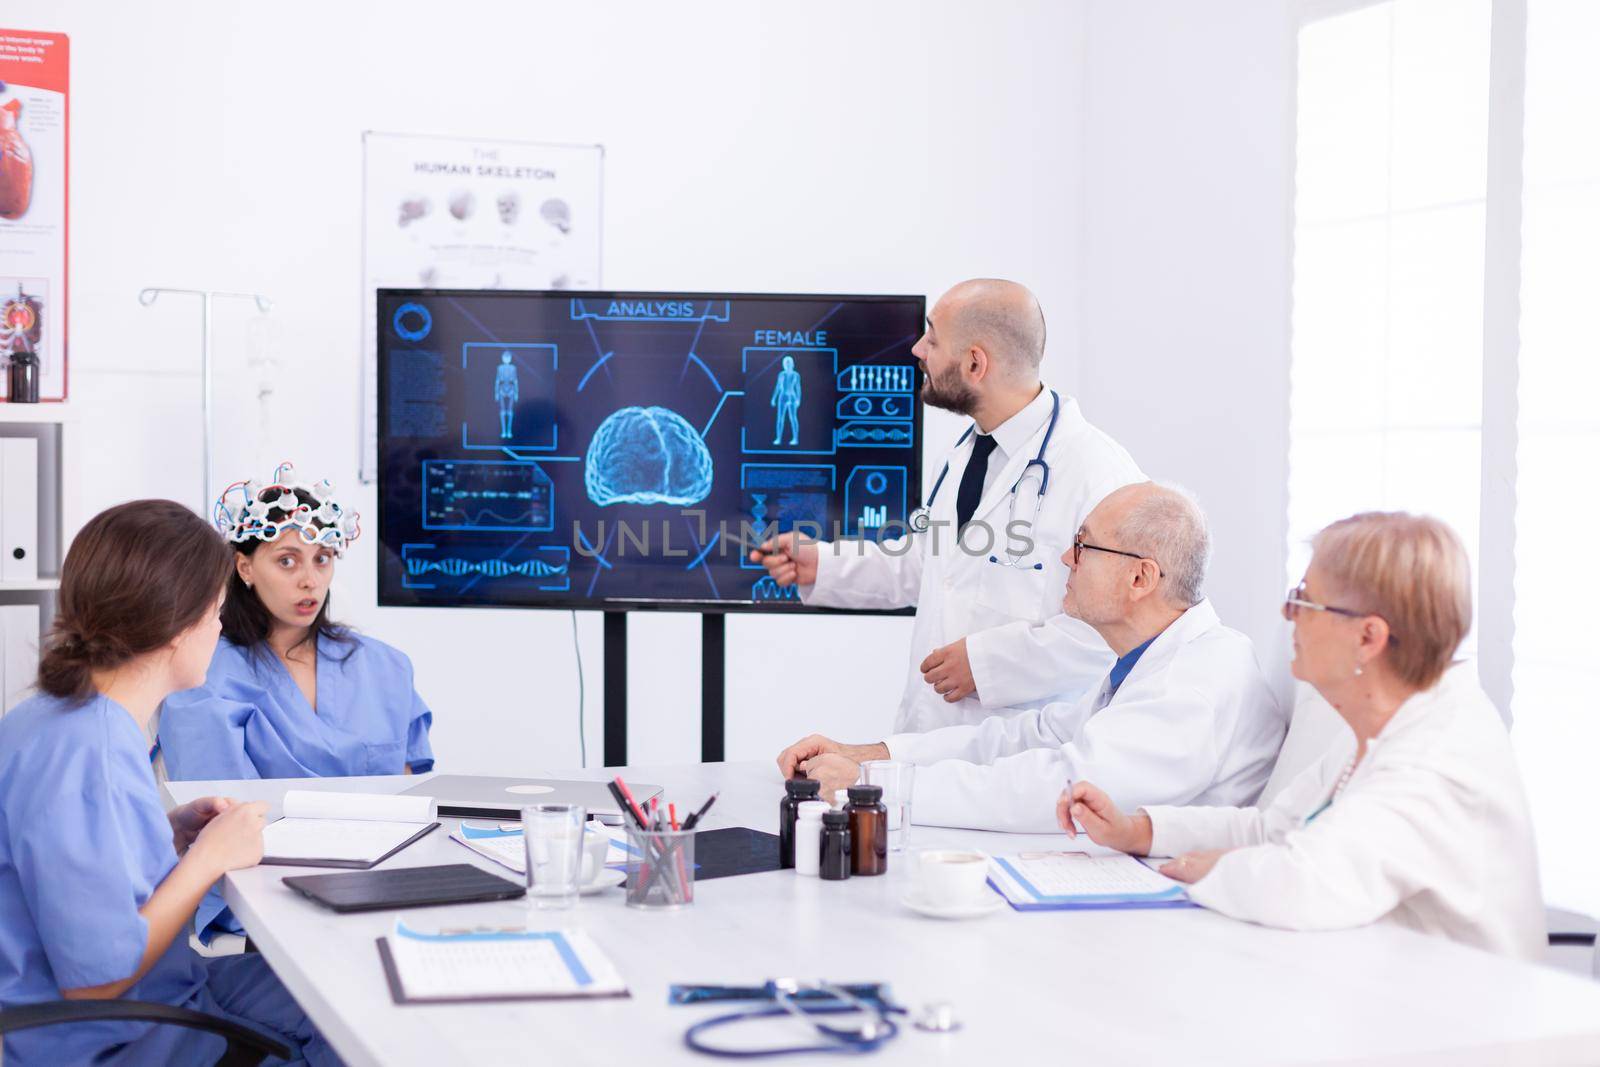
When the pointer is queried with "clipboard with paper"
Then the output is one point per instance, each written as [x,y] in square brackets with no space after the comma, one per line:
[487,964]
[1080,881]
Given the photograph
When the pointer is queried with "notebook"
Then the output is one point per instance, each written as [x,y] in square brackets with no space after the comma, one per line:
[349,830]
[729,851]
[1069,881]
[404,887]
[513,963]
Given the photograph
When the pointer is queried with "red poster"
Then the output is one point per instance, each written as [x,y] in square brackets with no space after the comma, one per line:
[33,204]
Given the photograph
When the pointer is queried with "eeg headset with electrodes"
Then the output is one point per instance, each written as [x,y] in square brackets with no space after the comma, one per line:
[919,520]
[250,518]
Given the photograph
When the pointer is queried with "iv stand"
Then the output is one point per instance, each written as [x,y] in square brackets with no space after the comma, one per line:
[148,297]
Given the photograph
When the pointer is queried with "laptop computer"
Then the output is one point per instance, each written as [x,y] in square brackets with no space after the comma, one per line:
[475,796]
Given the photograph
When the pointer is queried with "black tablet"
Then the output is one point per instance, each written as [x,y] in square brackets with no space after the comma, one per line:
[405,887]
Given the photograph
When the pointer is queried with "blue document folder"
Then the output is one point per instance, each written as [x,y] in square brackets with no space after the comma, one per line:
[1076,881]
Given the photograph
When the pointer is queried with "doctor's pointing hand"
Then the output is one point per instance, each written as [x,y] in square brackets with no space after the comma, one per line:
[981,560]
[788,559]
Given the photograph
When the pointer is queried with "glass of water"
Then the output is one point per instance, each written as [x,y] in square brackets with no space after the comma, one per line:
[896,778]
[553,837]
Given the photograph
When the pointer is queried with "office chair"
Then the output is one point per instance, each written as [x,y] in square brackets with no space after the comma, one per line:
[1570,927]
[246,1047]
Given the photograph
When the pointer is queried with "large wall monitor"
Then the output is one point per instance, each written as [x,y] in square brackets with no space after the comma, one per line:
[619,450]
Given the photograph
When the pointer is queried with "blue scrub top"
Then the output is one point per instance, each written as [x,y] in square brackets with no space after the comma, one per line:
[250,719]
[83,844]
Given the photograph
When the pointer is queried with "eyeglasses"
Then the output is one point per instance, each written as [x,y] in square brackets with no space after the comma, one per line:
[1079,544]
[1297,600]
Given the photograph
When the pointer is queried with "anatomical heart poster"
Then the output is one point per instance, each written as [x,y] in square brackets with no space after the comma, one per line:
[466,213]
[33,204]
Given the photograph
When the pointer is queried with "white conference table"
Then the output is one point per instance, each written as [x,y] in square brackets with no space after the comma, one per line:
[1117,987]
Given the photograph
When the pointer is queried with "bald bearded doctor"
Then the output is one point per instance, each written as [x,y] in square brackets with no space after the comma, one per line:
[984,569]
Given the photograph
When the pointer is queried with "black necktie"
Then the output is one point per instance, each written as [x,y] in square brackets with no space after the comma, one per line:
[971,490]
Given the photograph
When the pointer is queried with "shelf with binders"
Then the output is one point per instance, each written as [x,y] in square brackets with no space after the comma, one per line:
[30,585]
[34,414]
[36,485]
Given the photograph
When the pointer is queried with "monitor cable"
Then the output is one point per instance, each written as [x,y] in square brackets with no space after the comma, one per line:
[577,654]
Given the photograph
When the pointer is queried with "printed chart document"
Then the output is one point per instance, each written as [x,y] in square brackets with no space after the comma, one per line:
[495,964]
[350,830]
[503,844]
[1059,881]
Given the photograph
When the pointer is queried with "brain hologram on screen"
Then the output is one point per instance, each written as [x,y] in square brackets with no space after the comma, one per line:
[650,455]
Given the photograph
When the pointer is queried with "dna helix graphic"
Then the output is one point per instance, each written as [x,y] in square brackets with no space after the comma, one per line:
[489,568]
[767,589]
[858,433]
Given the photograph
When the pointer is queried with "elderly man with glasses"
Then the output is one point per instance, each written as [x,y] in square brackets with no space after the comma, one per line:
[1184,716]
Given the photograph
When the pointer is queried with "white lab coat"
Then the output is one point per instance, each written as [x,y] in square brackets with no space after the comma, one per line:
[1431,832]
[1024,652]
[1194,721]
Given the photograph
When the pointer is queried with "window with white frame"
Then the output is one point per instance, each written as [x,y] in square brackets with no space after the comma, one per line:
[1387,345]
[1396,401]
[1555,699]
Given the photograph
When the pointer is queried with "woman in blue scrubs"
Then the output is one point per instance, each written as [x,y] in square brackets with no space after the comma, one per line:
[290,693]
[98,884]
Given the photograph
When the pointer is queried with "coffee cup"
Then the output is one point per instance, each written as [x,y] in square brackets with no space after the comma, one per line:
[595,845]
[951,877]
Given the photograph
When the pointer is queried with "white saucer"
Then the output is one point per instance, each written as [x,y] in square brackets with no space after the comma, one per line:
[607,878]
[988,904]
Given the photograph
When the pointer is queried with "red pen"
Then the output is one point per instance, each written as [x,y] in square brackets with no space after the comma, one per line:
[627,794]
[683,872]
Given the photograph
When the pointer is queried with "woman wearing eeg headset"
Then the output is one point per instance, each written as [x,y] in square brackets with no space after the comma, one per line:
[1426,823]
[290,693]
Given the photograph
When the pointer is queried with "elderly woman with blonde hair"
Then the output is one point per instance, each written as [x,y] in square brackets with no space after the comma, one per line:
[1425,823]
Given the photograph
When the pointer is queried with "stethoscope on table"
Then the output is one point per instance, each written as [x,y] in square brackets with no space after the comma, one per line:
[809,1002]
[919,520]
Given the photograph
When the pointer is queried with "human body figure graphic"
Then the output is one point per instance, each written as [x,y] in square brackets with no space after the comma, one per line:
[505,392]
[786,398]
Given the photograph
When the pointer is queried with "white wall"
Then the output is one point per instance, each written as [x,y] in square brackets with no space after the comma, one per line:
[886,147]
[1188,186]
[1130,162]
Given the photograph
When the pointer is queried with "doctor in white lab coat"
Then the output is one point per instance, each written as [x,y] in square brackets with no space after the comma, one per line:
[989,635]
[1184,716]
[1418,817]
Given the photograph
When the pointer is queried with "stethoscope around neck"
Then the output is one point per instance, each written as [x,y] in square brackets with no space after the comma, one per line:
[920,520]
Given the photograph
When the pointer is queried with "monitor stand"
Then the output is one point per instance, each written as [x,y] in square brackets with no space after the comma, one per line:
[713,687]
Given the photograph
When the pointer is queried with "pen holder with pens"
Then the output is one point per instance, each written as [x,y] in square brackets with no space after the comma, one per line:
[662,876]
